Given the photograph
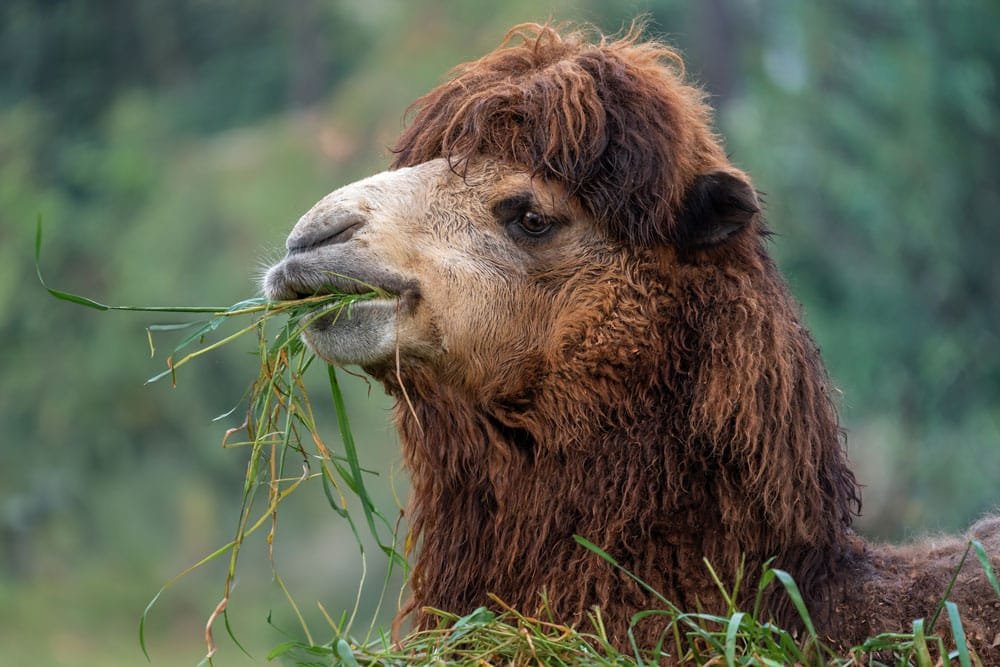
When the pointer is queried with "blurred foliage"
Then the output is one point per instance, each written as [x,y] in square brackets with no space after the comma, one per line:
[170,145]
[873,129]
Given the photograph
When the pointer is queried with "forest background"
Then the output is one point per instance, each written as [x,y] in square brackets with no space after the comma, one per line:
[170,145]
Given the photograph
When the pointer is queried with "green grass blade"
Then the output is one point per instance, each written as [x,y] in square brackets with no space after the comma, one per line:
[345,654]
[159,376]
[97,305]
[793,592]
[168,309]
[476,619]
[142,620]
[587,544]
[75,298]
[228,413]
[174,365]
[283,648]
[729,599]
[947,591]
[59,294]
[766,577]
[768,662]
[174,327]
[205,329]
[790,648]
[291,601]
[277,396]
[920,644]
[984,560]
[367,506]
[732,628]
[958,632]
[232,635]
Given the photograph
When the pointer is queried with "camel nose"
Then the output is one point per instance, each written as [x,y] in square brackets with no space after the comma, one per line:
[328,228]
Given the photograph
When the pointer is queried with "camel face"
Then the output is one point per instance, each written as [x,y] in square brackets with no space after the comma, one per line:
[476,264]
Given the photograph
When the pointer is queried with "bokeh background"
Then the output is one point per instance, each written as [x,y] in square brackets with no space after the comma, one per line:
[170,144]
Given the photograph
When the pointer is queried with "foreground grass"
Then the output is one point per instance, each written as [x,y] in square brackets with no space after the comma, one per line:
[741,637]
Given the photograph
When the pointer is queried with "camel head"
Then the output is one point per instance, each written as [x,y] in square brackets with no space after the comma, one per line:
[527,199]
[486,273]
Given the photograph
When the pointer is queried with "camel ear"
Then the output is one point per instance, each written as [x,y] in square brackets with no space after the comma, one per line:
[716,206]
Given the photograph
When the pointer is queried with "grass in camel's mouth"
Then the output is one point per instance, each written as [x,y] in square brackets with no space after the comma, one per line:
[287,281]
[279,429]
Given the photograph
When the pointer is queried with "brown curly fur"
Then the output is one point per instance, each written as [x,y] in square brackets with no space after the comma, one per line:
[682,413]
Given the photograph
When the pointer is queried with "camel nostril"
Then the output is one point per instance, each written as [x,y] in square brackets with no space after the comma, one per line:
[336,226]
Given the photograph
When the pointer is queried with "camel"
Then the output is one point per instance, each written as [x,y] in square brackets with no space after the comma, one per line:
[585,335]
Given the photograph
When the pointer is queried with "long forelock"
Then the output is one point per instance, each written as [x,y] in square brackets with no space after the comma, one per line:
[612,121]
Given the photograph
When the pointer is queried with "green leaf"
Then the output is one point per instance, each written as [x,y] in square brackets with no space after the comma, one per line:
[984,560]
[345,654]
[65,296]
[732,629]
[920,644]
[206,328]
[174,327]
[232,635]
[476,619]
[947,591]
[142,619]
[587,544]
[284,648]
[97,305]
[793,592]
[355,479]
[958,632]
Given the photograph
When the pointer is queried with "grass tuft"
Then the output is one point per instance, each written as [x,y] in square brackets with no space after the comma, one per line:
[505,636]
[279,430]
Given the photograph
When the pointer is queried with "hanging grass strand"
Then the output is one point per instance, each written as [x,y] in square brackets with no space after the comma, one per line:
[278,419]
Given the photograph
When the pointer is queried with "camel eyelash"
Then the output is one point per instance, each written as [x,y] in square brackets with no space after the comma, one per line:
[509,209]
[521,218]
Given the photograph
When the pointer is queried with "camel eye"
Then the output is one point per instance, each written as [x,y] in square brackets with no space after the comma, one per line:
[533,224]
[519,217]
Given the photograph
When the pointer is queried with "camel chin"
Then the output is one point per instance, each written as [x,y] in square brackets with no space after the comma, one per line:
[363,334]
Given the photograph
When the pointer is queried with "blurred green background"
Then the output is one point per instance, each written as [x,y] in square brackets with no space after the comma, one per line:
[170,145]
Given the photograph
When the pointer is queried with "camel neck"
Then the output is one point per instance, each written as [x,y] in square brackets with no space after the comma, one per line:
[496,507]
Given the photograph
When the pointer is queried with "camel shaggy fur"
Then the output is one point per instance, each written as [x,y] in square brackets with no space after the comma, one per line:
[587,336]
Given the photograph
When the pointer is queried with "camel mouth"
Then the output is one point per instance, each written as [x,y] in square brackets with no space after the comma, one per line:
[365,331]
[292,279]
[334,319]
